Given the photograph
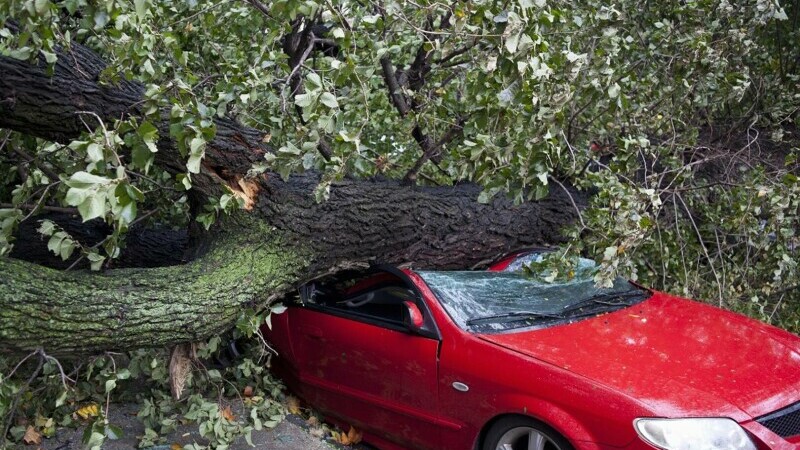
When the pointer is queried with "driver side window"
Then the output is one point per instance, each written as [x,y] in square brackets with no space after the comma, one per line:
[384,303]
[376,297]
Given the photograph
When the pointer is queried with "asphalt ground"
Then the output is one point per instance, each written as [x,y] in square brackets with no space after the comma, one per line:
[293,433]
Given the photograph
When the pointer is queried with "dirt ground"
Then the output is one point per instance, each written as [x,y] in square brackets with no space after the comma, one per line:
[291,434]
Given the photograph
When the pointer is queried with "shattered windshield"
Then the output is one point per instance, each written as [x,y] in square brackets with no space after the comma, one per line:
[498,301]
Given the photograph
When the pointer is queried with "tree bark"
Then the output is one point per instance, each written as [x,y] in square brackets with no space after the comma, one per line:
[284,238]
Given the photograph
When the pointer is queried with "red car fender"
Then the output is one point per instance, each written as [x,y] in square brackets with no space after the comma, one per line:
[552,415]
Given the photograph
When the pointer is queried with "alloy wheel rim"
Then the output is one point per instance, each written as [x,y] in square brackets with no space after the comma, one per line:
[525,438]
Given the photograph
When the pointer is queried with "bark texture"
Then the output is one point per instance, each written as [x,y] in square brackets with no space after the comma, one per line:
[282,240]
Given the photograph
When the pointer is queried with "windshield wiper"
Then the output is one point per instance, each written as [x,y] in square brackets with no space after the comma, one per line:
[504,317]
[605,300]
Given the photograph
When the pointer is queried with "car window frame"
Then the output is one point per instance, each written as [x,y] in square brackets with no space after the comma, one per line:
[430,328]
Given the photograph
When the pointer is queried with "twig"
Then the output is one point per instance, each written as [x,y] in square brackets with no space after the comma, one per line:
[703,245]
[571,200]
[457,52]
[10,374]
[64,377]
[30,159]
[15,402]
[303,57]
[428,150]
[45,207]
[260,7]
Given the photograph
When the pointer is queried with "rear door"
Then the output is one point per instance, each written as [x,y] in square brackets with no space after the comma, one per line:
[363,366]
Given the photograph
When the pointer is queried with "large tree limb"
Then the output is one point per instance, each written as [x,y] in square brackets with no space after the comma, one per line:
[58,107]
[284,239]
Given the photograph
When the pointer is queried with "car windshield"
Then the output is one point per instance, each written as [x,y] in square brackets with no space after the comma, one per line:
[492,301]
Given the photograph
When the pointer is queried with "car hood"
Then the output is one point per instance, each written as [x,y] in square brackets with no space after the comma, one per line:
[677,357]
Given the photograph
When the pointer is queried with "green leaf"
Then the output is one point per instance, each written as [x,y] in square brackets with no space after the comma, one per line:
[142,157]
[193,164]
[290,149]
[303,100]
[41,6]
[94,152]
[329,100]
[371,19]
[84,179]
[314,79]
[23,53]
[100,18]
[148,67]
[66,248]
[197,145]
[512,42]
[94,206]
[76,196]
[613,90]
[47,228]
[113,432]
[185,180]
[128,213]
[61,399]
[149,134]
[134,192]
[61,245]
[95,260]
[141,8]
[50,57]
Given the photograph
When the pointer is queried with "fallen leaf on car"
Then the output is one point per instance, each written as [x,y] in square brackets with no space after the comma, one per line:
[88,411]
[32,436]
[228,414]
[293,404]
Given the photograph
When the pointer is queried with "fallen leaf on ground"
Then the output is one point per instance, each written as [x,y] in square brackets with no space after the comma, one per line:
[32,436]
[91,410]
[175,446]
[248,391]
[352,437]
[228,414]
[293,404]
[317,432]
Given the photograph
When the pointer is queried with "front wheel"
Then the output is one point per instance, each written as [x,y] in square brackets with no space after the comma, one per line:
[520,433]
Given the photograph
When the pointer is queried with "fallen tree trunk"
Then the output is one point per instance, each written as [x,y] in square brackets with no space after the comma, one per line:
[258,255]
[283,238]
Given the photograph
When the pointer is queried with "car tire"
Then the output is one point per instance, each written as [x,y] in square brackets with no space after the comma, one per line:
[522,433]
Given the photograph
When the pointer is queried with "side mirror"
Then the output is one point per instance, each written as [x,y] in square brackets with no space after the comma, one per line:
[412,316]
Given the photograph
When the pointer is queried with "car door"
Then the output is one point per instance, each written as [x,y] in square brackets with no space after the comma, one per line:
[369,371]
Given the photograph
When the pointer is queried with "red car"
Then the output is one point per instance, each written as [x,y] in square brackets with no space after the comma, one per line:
[497,360]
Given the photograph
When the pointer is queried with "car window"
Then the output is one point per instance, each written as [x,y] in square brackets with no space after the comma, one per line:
[379,297]
[385,303]
[499,301]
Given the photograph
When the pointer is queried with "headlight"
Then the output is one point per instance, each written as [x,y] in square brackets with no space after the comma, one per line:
[693,434]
